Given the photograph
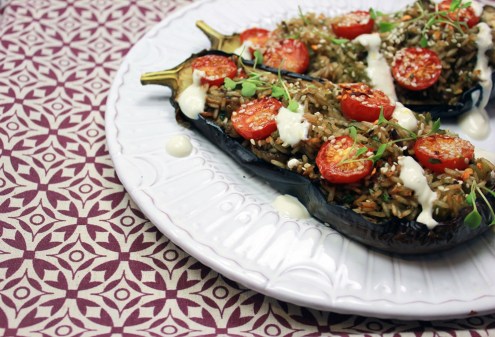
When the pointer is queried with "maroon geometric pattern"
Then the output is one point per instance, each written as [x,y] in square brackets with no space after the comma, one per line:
[77,257]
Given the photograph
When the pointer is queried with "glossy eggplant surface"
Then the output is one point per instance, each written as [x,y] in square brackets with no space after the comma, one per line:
[393,235]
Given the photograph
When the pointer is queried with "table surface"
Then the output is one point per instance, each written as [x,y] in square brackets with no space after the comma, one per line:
[77,257]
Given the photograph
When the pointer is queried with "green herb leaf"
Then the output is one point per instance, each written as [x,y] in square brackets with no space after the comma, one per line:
[302,16]
[361,151]
[353,132]
[381,117]
[373,14]
[229,84]
[470,199]
[473,219]
[339,41]
[384,27]
[434,161]
[293,106]
[248,89]
[379,153]
[385,196]
[424,41]
[278,92]
[258,57]
[454,5]
[436,126]
[466,5]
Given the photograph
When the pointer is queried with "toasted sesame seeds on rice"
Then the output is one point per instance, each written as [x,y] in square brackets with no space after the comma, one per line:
[380,195]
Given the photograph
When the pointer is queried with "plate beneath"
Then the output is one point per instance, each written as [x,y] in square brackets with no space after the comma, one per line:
[223,216]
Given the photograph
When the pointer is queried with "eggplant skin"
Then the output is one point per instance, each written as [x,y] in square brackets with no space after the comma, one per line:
[392,236]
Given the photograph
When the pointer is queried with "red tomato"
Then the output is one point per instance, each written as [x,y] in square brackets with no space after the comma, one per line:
[257,36]
[438,152]
[289,54]
[256,119]
[416,68]
[215,67]
[361,103]
[466,15]
[330,162]
[351,25]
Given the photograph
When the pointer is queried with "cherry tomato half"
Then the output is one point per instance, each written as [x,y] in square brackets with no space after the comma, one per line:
[466,15]
[361,103]
[256,119]
[257,37]
[438,152]
[216,68]
[288,54]
[416,68]
[351,25]
[331,157]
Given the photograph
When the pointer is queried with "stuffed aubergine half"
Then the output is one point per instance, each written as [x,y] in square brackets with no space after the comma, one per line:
[432,57]
[359,161]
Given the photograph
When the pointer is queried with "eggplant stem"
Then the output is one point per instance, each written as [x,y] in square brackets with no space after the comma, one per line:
[215,37]
[168,78]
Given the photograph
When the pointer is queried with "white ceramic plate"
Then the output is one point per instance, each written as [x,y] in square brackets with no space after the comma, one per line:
[223,217]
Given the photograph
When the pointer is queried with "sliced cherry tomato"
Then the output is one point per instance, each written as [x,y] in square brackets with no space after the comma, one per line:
[216,68]
[331,157]
[416,68]
[288,54]
[466,15]
[256,119]
[361,103]
[438,152]
[257,37]
[353,24]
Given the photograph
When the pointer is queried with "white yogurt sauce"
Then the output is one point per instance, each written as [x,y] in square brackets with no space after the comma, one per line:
[292,126]
[244,50]
[192,100]
[378,69]
[476,122]
[405,117]
[412,175]
[179,146]
[288,206]
[293,162]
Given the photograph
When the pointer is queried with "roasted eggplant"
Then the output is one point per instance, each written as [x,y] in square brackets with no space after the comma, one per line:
[392,235]
[416,101]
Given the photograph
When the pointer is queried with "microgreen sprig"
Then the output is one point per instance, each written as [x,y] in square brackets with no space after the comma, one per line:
[293,105]
[258,57]
[440,17]
[356,153]
[383,147]
[339,41]
[302,16]
[473,219]
[249,85]
[383,26]
[255,82]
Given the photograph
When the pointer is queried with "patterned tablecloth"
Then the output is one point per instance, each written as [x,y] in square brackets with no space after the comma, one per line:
[77,258]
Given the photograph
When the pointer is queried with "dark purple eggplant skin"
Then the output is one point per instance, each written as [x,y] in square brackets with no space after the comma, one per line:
[445,111]
[397,236]
[392,236]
